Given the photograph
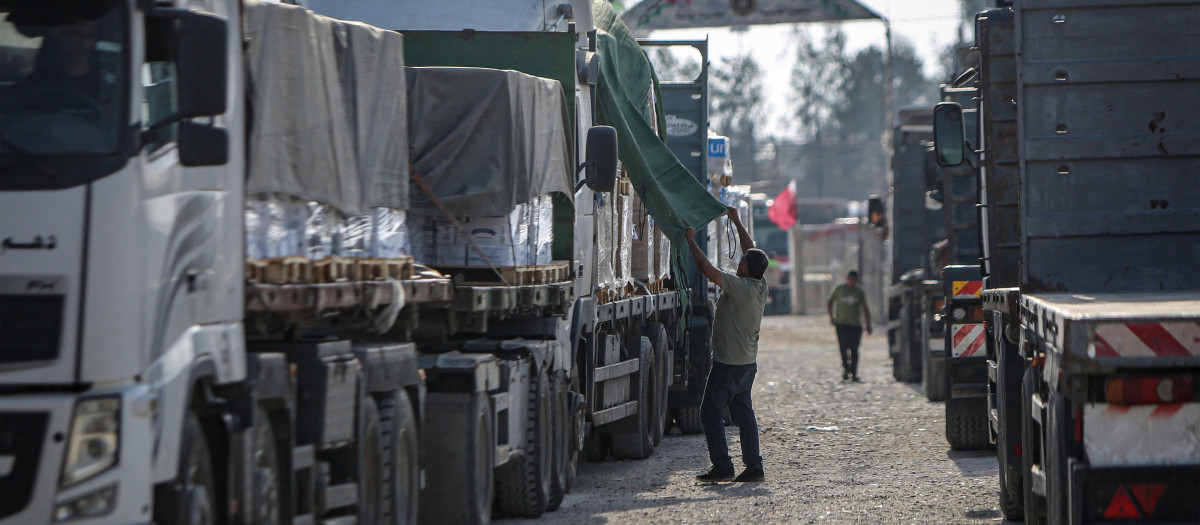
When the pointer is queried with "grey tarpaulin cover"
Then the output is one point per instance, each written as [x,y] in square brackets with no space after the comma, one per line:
[328,109]
[486,140]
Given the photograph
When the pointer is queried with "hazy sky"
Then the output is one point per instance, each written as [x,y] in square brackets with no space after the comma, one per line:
[930,25]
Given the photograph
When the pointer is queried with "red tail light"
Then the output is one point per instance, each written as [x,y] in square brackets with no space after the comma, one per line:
[1140,390]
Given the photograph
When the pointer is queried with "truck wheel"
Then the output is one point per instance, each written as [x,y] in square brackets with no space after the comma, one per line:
[523,484]
[401,468]
[189,499]
[1035,510]
[560,455]
[640,443]
[266,475]
[659,340]
[896,372]
[482,465]
[688,420]
[966,430]
[370,463]
[1012,505]
[934,380]
[1055,461]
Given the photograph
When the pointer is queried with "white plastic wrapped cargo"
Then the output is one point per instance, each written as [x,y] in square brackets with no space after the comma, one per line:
[544,241]
[606,236]
[280,226]
[258,218]
[389,233]
[322,231]
[356,237]
[625,246]
[663,259]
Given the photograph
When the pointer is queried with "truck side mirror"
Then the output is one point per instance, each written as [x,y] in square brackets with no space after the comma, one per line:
[601,163]
[948,135]
[202,145]
[203,64]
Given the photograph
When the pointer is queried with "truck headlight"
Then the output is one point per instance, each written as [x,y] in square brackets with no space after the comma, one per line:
[94,440]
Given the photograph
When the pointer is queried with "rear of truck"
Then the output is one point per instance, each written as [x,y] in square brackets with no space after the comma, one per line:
[916,223]
[1109,130]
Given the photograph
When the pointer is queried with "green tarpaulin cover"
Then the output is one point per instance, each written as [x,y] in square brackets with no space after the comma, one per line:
[671,193]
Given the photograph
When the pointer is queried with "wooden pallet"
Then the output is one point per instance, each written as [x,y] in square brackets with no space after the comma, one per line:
[612,294]
[399,268]
[554,272]
[624,186]
[256,270]
[334,269]
[292,269]
[654,287]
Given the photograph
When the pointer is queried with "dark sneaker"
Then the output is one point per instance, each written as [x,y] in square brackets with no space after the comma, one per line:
[845,375]
[750,474]
[856,379]
[715,475]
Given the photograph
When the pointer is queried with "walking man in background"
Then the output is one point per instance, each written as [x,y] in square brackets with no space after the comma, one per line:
[735,349]
[845,305]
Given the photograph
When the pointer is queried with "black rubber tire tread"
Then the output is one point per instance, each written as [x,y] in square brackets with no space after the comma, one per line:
[688,420]
[267,507]
[523,484]
[195,470]
[657,333]
[967,431]
[640,443]
[896,375]
[398,430]
[482,440]
[371,463]
[560,453]
[1012,504]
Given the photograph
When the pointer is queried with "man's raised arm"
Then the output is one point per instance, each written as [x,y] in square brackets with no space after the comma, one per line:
[710,272]
[744,238]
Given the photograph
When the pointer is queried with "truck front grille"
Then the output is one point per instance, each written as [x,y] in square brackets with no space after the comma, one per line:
[21,437]
[30,327]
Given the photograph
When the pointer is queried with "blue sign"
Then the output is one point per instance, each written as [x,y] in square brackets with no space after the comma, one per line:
[718,147]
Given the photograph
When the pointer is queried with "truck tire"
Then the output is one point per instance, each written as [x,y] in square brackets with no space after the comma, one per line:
[560,455]
[461,487]
[370,463]
[1012,502]
[401,468]
[659,340]
[1035,510]
[267,507]
[966,429]
[523,484]
[688,420]
[189,499]
[896,368]
[639,444]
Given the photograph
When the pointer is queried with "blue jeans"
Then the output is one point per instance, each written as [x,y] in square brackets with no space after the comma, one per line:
[730,386]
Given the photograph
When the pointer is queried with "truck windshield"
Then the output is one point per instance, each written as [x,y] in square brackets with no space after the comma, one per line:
[62,72]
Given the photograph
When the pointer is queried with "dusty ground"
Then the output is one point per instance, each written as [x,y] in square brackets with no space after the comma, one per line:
[834,452]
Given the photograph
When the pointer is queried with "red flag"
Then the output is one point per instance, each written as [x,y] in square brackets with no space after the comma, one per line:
[783,211]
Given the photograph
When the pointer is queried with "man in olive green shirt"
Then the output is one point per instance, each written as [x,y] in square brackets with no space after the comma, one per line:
[844,306]
[735,348]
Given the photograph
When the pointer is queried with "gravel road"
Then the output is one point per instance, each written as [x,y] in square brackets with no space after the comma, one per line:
[834,452]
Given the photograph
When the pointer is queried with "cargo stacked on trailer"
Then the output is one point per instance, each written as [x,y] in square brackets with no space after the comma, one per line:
[1092,304]
[300,339]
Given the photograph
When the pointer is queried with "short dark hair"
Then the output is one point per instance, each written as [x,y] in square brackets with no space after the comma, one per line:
[756,262]
[853,273]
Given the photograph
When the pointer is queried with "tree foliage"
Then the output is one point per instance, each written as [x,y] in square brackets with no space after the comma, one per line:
[736,91]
